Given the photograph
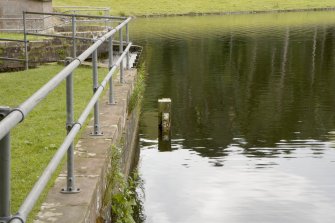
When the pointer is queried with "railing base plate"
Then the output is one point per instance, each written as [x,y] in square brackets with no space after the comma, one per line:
[68,191]
[96,134]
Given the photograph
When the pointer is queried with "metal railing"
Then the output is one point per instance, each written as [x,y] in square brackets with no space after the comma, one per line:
[66,19]
[17,41]
[104,11]
[75,9]
[10,117]
[59,19]
[73,18]
[87,10]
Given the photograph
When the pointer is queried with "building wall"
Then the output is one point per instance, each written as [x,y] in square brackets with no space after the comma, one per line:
[11,13]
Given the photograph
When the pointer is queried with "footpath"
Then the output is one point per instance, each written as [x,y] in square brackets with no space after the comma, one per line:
[92,160]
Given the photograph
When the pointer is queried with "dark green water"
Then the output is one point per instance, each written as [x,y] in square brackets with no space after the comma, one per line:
[253,118]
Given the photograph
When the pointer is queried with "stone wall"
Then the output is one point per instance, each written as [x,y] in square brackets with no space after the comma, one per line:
[11,14]
[43,51]
[48,50]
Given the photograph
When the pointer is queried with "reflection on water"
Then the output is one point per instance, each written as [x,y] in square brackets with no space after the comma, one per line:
[253,106]
[257,185]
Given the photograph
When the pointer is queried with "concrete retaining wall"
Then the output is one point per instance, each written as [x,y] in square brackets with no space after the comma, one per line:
[39,52]
[92,160]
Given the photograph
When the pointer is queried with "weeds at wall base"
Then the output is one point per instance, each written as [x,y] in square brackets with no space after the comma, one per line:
[119,199]
[137,95]
[120,202]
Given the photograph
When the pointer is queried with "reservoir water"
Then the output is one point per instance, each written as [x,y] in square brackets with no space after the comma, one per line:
[253,118]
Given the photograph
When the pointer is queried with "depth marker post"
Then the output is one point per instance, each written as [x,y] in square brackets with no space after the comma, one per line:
[164,124]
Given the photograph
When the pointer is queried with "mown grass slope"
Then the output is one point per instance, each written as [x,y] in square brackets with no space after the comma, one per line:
[36,139]
[171,7]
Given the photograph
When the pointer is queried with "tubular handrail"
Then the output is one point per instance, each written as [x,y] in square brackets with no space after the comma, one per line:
[82,8]
[12,40]
[12,59]
[17,115]
[58,36]
[7,18]
[14,116]
[32,197]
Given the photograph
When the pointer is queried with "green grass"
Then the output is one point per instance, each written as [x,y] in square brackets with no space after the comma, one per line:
[36,140]
[206,25]
[171,7]
[19,36]
[119,196]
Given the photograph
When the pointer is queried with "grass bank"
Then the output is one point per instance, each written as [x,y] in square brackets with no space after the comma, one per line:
[19,36]
[36,140]
[204,26]
[16,36]
[165,7]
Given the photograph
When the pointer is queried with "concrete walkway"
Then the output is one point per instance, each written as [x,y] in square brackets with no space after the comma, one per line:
[91,161]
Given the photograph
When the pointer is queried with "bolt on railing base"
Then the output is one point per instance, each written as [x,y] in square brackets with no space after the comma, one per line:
[112,103]
[70,191]
[96,134]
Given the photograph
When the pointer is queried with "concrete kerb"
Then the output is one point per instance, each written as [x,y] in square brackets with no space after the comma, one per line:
[92,160]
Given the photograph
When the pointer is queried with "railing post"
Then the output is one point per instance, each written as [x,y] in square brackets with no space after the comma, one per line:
[96,130]
[70,185]
[164,124]
[120,52]
[25,41]
[74,30]
[5,172]
[106,14]
[111,100]
[127,42]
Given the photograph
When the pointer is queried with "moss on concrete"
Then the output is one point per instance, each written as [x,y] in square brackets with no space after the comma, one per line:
[137,95]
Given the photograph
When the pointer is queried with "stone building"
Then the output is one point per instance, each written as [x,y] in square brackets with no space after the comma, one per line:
[11,14]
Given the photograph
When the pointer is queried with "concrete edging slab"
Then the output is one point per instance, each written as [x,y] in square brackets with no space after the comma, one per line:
[92,160]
